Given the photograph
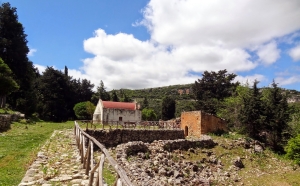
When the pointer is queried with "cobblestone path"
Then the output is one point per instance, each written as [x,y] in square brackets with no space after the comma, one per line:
[57,163]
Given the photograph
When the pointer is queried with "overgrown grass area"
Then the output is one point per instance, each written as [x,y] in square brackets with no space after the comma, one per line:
[19,146]
[266,168]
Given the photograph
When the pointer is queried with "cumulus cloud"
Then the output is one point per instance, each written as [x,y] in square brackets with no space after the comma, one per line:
[268,53]
[188,37]
[287,80]
[250,79]
[31,52]
[295,53]
[235,23]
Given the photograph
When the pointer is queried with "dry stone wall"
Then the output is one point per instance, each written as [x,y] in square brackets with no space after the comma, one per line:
[111,138]
[5,121]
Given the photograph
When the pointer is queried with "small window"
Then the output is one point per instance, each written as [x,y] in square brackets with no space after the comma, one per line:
[120,118]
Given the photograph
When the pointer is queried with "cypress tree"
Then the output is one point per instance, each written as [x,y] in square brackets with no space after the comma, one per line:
[14,50]
[277,116]
[251,115]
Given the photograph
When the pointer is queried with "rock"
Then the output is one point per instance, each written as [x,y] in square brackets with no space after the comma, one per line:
[238,163]
[176,173]
[155,162]
[195,168]
[258,148]
[162,172]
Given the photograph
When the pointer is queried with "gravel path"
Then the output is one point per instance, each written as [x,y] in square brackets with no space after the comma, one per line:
[57,163]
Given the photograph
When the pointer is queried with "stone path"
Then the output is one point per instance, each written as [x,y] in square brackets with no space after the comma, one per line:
[57,163]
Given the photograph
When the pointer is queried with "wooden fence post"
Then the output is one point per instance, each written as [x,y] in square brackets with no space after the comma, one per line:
[87,160]
[100,170]
[92,154]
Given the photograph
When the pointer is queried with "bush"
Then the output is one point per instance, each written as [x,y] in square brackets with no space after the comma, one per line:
[84,110]
[148,114]
[293,149]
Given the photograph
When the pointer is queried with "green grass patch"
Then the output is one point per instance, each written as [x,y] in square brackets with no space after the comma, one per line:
[109,174]
[19,146]
[6,111]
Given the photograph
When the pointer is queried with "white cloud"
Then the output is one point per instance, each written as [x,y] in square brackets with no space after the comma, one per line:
[250,79]
[41,68]
[268,53]
[287,81]
[218,22]
[295,53]
[31,52]
[188,37]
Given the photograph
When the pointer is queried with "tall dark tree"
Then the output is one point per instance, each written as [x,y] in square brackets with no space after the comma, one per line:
[101,93]
[7,83]
[277,115]
[53,104]
[213,88]
[168,108]
[145,103]
[86,90]
[14,50]
[251,115]
[114,96]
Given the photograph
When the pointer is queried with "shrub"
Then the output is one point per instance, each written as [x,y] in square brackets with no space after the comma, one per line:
[84,110]
[293,149]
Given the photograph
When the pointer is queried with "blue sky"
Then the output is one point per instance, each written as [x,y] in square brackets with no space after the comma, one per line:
[151,43]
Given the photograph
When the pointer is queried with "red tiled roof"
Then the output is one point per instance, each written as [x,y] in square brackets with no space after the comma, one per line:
[118,105]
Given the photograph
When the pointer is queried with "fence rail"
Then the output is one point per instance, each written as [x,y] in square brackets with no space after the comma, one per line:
[87,158]
[131,124]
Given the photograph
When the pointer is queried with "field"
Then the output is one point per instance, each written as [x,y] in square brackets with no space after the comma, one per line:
[19,146]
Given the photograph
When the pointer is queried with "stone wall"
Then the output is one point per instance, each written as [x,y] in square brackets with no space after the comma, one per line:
[112,138]
[5,121]
[195,123]
[191,123]
[211,123]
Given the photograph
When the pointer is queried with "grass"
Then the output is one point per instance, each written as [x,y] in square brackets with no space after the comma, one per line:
[6,111]
[19,146]
[266,168]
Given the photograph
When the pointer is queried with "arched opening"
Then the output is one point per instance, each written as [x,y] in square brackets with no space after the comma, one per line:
[186,131]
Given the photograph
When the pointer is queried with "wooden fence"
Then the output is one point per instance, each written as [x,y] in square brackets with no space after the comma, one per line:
[87,158]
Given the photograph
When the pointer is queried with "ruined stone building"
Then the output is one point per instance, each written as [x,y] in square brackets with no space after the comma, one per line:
[195,123]
[108,111]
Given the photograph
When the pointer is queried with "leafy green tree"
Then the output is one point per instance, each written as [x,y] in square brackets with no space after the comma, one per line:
[232,106]
[126,99]
[213,88]
[7,83]
[294,123]
[14,50]
[148,115]
[101,93]
[84,110]
[168,108]
[277,115]
[115,96]
[293,149]
[251,114]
